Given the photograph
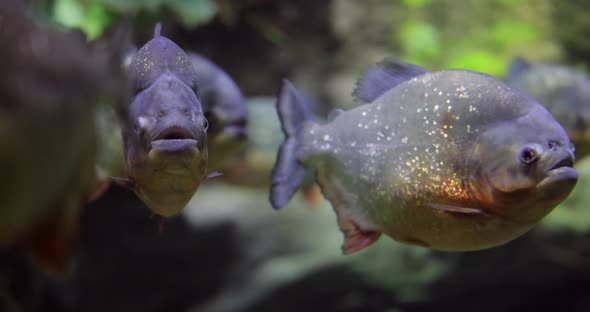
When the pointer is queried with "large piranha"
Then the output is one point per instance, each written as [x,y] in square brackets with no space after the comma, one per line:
[451,159]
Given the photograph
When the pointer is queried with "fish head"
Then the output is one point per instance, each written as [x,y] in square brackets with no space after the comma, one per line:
[165,144]
[525,167]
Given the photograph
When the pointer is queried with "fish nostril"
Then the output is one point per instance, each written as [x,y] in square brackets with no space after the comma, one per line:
[553,145]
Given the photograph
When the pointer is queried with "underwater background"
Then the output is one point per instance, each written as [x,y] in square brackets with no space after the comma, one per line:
[228,250]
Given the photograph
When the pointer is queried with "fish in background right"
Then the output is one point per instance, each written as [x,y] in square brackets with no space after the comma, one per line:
[564,91]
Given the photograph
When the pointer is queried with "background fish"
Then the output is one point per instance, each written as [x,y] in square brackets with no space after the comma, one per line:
[164,130]
[564,91]
[452,160]
[225,109]
[52,81]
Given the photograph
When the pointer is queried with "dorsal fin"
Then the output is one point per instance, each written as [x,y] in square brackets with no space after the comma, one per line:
[383,76]
[518,66]
[157,30]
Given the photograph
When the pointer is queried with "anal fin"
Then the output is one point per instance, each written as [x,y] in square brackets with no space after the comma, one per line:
[355,238]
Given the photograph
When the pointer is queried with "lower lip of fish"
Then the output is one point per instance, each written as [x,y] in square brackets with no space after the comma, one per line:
[558,175]
[173,146]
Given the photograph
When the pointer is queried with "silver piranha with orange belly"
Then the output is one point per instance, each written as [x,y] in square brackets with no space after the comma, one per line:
[164,131]
[452,160]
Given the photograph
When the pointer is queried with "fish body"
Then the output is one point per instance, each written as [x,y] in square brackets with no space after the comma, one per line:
[564,91]
[452,159]
[164,130]
[225,109]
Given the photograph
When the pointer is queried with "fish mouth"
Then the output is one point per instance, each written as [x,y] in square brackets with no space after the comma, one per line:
[174,133]
[562,171]
[565,162]
[174,140]
[174,145]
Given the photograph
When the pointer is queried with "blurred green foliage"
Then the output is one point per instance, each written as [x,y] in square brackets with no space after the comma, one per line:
[416,3]
[420,40]
[572,21]
[477,35]
[94,16]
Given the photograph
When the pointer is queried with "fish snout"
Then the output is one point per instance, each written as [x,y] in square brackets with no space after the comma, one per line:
[174,146]
[558,155]
[175,140]
[559,168]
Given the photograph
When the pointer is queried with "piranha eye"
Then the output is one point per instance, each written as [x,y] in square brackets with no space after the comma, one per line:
[205,124]
[528,155]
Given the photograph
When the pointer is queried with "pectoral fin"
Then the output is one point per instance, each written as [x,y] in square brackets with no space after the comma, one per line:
[214,174]
[459,210]
[125,182]
[355,238]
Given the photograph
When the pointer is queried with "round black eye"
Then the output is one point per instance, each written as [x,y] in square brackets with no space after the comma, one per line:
[528,155]
[205,124]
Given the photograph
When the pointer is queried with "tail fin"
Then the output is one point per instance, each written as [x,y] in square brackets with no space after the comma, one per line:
[288,172]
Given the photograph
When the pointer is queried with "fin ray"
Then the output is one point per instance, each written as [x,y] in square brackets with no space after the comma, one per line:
[355,239]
